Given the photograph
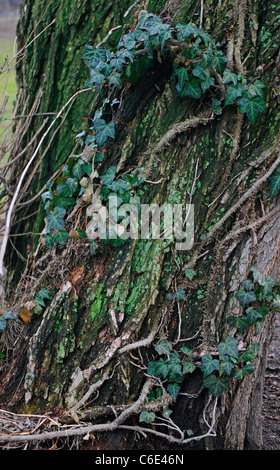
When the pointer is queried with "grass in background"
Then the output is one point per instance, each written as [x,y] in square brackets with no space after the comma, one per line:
[8,83]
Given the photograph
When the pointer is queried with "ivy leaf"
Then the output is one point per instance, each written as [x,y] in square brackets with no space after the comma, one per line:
[229,347]
[129,41]
[247,284]
[229,76]
[187,30]
[256,88]
[186,350]
[117,63]
[245,298]
[216,385]
[191,88]
[252,315]
[233,92]
[152,369]
[147,416]
[216,106]
[125,54]
[274,183]
[72,184]
[188,367]
[164,347]
[103,130]
[239,374]
[173,389]
[55,220]
[3,323]
[94,56]
[241,323]
[77,171]
[251,353]
[190,273]
[109,175]
[256,275]
[96,77]
[269,283]
[218,61]
[115,79]
[181,295]
[61,237]
[252,107]
[175,372]
[207,83]
[226,365]
[164,35]
[248,369]
[208,364]
[167,412]
[182,75]
[141,35]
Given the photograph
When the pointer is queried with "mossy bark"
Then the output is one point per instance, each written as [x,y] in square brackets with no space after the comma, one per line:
[105,302]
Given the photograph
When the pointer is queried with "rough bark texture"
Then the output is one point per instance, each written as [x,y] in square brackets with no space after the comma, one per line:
[105,302]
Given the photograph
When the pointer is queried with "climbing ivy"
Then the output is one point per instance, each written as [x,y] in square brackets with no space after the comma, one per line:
[199,67]
[257,297]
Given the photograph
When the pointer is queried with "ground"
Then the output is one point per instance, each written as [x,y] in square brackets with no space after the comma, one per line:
[271,398]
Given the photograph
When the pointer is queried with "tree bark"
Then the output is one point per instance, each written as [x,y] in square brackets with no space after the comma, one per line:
[97,335]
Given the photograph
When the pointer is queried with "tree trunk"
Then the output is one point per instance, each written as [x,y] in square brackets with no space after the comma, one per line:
[91,346]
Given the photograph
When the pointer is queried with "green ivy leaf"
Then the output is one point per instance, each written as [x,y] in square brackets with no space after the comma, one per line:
[182,75]
[241,323]
[147,416]
[77,171]
[226,365]
[251,353]
[109,176]
[208,365]
[207,83]
[216,385]
[252,315]
[117,63]
[186,350]
[164,347]
[229,347]
[181,295]
[218,61]
[229,77]
[3,323]
[248,285]
[103,130]
[245,298]
[187,30]
[256,88]
[94,56]
[191,88]
[190,273]
[252,107]
[274,183]
[96,77]
[216,106]
[129,41]
[61,237]
[55,220]
[115,79]
[233,92]
[188,367]
[173,389]
[175,372]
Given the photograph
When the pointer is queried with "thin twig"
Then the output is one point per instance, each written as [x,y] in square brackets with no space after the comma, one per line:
[12,204]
